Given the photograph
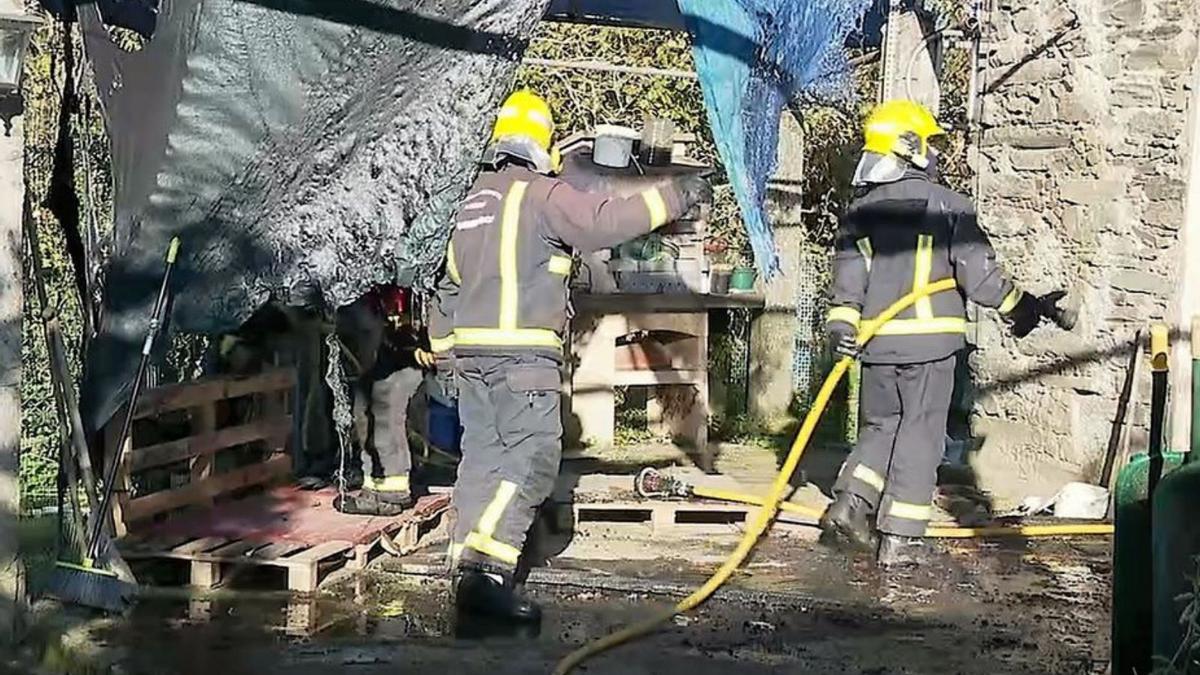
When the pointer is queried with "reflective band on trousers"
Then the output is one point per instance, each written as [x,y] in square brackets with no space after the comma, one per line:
[1010,301]
[496,337]
[387,483]
[845,314]
[442,344]
[922,269]
[867,475]
[910,511]
[480,539]
[656,206]
[451,266]
[509,232]
[920,326]
[864,247]
[560,264]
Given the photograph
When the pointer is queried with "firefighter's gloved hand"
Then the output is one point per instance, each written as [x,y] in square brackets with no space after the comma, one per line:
[842,343]
[425,359]
[1050,306]
[694,190]
[1025,316]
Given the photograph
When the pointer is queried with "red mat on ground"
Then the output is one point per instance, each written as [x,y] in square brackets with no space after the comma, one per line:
[288,514]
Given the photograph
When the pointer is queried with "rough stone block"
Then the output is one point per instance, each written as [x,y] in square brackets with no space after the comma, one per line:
[1126,12]
[1140,91]
[1163,215]
[1026,138]
[1073,108]
[1055,161]
[1166,189]
[1039,70]
[1090,191]
[1140,281]
[1017,460]
[1155,56]
[1080,229]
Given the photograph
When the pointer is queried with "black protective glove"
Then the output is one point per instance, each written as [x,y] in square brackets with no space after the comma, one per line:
[842,342]
[1025,316]
[694,190]
[1049,307]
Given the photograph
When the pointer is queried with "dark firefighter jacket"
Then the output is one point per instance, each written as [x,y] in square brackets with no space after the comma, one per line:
[508,265]
[897,237]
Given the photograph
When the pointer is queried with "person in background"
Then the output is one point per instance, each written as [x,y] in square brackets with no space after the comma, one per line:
[391,381]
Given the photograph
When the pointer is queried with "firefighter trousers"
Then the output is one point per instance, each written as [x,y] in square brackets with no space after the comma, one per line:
[900,442]
[386,457]
[511,449]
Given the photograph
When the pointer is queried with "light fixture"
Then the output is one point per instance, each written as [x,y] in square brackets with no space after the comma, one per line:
[16,25]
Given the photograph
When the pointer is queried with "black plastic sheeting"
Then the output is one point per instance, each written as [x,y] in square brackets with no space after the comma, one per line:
[302,150]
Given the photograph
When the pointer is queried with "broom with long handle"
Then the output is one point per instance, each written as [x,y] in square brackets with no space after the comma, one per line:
[99,585]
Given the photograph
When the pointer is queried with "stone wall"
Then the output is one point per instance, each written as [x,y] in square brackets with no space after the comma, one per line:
[1082,175]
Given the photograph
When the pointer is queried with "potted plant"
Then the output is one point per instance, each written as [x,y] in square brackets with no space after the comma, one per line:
[720,271]
[744,275]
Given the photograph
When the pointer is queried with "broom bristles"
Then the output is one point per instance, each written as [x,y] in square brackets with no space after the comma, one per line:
[90,587]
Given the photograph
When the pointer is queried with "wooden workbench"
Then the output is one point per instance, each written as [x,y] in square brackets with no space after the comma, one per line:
[599,365]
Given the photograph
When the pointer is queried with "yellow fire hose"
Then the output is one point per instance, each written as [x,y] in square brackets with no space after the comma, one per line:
[935,530]
[867,330]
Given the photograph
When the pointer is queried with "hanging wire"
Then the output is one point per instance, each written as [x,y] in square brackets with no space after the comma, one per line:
[343,418]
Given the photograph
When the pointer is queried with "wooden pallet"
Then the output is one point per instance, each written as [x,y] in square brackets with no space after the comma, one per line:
[210,558]
[289,529]
[678,518]
[185,431]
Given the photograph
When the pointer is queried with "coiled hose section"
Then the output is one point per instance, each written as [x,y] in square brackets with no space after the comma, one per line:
[867,330]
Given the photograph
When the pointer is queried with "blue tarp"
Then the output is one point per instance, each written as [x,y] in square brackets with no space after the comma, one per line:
[753,57]
[665,15]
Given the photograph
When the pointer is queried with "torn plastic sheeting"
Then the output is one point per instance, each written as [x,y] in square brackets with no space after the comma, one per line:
[303,152]
[766,52]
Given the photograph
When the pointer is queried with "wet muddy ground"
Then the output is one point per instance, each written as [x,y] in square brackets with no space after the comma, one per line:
[1029,607]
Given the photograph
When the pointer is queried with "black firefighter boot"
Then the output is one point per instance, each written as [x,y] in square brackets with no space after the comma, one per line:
[847,523]
[488,592]
[897,551]
[368,502]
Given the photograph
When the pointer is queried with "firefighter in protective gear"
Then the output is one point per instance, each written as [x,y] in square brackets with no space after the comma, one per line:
[389,389]
[904,231]
[500,314]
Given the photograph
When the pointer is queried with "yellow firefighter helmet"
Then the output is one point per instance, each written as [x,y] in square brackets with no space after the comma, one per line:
[902,128]
[525,114]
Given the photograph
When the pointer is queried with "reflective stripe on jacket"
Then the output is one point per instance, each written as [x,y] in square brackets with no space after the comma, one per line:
[505,286]
[897,237]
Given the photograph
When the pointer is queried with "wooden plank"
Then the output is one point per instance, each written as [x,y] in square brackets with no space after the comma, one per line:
[277,550]
[204,423]
[199,545]
[191,394]
[202,445]
[219,484]
[204,574]
[234,550]
[303,578]
[120,502]
[317,553]
[272,380]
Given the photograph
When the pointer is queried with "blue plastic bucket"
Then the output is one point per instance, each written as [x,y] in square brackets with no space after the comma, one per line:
[444,430]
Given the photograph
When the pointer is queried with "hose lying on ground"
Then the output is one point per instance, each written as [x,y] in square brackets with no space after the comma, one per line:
[764,516]
[935,530]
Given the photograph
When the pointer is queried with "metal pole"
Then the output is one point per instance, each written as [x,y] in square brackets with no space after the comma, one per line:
[12,189]
[1160,348]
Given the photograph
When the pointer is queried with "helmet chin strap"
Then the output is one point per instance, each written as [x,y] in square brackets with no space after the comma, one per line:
[520,149]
